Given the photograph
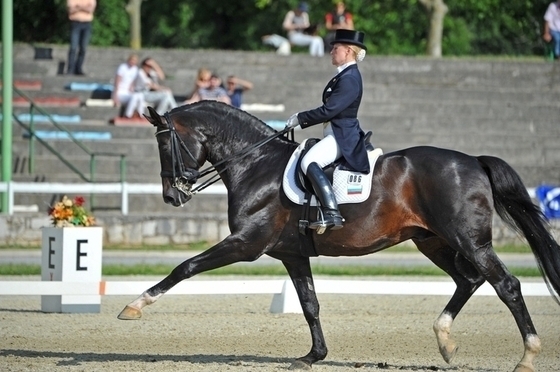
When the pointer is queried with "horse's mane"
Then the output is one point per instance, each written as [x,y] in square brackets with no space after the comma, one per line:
[232,121]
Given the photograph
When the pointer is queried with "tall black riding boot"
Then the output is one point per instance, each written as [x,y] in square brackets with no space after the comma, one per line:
[324,192]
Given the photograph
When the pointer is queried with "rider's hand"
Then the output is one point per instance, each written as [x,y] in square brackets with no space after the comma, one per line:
[293,121]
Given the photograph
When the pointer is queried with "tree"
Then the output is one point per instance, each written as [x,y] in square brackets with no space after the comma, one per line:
[133,9]
[392,27]
[437,11]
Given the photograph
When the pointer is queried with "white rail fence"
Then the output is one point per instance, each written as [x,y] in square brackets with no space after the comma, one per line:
[124,188]
[284,295]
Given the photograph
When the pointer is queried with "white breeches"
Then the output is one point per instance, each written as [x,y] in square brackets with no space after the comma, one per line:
[325,152]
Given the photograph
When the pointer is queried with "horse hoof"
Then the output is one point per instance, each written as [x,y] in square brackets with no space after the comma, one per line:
[300,365]
[130,313]
[524,367]
[448,353]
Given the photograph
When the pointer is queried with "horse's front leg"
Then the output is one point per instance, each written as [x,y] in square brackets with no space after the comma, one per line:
[228,251]
[300,273]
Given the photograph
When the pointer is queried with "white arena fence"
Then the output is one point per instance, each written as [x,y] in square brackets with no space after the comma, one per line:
[124,188]
[284,295]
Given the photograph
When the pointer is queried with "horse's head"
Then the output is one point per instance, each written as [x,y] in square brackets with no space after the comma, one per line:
[180,157]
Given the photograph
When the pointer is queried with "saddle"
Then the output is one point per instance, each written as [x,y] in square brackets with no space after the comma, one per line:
[348,186]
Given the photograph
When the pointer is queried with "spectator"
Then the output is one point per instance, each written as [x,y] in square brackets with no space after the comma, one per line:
[123,91]
[215,91]
[202,81]
[235,89]
[340,18]
[552,27]
[80,14]
[296,23]
[281,44]
[147,82]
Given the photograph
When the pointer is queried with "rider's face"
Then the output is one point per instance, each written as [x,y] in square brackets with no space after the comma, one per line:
[340,54]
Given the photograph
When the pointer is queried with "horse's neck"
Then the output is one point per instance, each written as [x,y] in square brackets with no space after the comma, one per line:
[240,162]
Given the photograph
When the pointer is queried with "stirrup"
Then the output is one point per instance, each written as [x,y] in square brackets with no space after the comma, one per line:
[322,223]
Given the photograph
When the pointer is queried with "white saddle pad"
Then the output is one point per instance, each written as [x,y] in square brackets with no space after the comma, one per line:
[349,187]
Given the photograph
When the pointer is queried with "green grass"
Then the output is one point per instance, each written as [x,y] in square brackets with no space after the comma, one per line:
[256,270]
[268,270]
[203,245]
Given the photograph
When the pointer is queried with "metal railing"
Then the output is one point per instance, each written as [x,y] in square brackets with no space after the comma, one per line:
[123,188]
[93,156]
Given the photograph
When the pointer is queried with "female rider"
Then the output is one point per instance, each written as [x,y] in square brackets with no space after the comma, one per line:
[343,137]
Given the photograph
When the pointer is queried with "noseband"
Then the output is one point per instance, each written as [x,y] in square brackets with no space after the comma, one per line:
[183,177]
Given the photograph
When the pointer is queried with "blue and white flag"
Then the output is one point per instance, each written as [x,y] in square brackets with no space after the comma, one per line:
[549,200]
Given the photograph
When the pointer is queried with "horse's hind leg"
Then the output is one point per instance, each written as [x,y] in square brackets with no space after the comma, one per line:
[467,280]
[508,289]
[299,270]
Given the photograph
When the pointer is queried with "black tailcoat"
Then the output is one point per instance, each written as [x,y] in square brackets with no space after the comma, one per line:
[341,100]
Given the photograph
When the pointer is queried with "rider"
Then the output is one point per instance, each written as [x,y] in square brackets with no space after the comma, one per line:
[343,137]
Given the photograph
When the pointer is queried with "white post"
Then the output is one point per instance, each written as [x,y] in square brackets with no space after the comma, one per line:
[71,254]
[287,301]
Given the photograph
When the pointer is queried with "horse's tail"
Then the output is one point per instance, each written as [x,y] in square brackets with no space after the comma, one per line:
[514,205]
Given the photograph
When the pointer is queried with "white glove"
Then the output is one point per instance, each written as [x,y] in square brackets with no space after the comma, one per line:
[293,121]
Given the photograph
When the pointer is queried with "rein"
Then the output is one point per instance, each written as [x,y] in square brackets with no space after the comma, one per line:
[185,178]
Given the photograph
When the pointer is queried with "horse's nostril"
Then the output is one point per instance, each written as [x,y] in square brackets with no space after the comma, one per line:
[169,199]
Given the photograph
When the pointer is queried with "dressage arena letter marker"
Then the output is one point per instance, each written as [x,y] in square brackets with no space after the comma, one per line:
[71,254]
[51,252]
[79,254]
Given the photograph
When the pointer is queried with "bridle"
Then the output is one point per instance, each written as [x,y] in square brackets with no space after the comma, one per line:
[183,177]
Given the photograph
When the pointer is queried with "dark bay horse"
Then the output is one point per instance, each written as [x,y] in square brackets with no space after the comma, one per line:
[442,200]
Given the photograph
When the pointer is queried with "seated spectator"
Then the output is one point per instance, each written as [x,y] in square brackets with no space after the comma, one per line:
[281,44]
[296,23]
[147,82]
[202,81]
[214,92]
[123,93]
[235,89]
[551,32]
[340,18]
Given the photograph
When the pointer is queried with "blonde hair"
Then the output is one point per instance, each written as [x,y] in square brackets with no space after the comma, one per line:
[359,53]
[203,72]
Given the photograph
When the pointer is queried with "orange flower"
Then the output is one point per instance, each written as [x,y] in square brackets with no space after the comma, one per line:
[70,213]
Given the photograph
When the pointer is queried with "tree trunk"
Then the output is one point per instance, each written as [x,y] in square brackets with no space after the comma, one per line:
[133,9]
[437,11]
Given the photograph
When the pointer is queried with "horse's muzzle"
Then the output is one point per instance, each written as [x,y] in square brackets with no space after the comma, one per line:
[178,193]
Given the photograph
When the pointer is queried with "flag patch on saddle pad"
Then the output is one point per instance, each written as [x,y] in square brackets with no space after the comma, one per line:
[354,189]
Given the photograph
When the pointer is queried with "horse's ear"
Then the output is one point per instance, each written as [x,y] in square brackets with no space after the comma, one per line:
[154,117]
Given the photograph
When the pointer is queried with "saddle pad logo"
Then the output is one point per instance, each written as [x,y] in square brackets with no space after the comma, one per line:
[354,184]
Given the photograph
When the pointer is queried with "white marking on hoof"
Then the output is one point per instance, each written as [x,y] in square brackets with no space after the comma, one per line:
[144,300]
[442,328]
[532,349]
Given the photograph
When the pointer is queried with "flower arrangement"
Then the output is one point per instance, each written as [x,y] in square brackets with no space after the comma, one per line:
[68,212]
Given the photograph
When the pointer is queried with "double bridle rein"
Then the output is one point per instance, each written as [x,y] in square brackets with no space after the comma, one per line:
[184,177]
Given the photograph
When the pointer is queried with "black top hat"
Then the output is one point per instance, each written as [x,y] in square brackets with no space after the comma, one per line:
[349,37]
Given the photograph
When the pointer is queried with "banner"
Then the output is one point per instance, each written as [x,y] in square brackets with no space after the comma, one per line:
[549,200]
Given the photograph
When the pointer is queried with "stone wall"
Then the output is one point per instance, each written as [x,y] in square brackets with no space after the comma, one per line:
[171,229]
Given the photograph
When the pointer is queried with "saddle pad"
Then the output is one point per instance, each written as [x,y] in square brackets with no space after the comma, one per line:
[349,187]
